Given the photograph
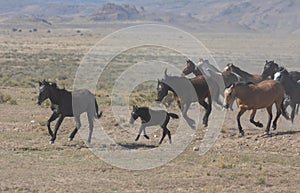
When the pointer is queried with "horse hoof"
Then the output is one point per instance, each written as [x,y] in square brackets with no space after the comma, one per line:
[260,125]
[241,134]
[70,139]
[51,142]
[205,124]
[146,136]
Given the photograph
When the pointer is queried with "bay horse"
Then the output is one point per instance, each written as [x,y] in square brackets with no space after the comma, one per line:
[202,70]
[247,77]
[270,68]
[251,96]
[292,89]
[185,92]
[151,117]
[68,104]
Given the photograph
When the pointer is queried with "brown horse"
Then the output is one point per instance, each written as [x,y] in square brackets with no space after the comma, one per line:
[186,91]
[247,77]
[256,96]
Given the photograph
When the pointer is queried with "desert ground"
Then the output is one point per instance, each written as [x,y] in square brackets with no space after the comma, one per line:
[28,163]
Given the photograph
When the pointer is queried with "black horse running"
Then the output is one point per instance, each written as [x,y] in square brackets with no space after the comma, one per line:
[68,104]
[151,117]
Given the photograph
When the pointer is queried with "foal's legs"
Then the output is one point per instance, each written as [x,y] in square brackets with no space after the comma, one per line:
[293,105]
[52,118]
[58,123]
[257,124]
[77,127]
[238,117]
[142,128]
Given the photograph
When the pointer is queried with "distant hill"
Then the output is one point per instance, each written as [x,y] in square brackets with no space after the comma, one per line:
[202,15]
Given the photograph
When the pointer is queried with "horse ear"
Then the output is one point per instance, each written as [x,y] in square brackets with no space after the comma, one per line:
[166,75]
[40,83]
[266,61]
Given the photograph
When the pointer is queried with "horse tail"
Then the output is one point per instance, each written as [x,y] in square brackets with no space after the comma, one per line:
[97,114]
[173,115]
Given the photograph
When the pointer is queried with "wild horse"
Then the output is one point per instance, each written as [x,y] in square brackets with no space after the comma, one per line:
[292,90]
[68,104]
[251,96]
[185,92]
[151,117]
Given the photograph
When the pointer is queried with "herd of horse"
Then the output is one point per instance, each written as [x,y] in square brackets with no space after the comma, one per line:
[275,85]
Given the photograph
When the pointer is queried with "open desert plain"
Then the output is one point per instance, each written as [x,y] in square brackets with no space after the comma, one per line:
[215,158]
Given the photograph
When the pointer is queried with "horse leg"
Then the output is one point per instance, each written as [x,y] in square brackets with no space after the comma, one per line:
[238,117]
[91,126]
[293,105]
[279,111]
[140,131]
[58,123]
[185,108]
[78,125]
[257,124]
[269,111]
[53,117]
[166,130]
[207,107]
[145,135]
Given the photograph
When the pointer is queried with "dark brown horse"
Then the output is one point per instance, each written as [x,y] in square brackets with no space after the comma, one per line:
[203,70]
[251,96]
[185,92]
[247,77]
[68,104]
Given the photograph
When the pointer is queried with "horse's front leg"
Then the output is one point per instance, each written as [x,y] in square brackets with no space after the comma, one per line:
[207,107]
[53,117]
[238,117]
[293,105]
[142,128]
[58,123]
[269,111]
[257,124]
[190,121]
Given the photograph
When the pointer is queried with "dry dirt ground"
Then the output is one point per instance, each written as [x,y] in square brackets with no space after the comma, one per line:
[28,163]
[249,164]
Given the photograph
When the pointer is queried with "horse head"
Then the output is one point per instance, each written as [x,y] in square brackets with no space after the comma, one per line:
[270,68]
[189,67]
[44,91]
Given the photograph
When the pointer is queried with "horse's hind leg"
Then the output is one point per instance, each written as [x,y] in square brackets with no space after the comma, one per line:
[166,131]
[278,108]
[269,111]
[91,126]
[257,124]
[52,118]
[207,107]
[77,127]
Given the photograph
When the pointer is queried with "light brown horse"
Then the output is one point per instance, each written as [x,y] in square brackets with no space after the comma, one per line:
[251,96]
[247,77]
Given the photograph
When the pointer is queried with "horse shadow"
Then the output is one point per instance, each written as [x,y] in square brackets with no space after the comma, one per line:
[136,146]
[281,133]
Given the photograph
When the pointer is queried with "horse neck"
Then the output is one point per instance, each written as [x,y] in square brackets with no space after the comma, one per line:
[143,113]
[197,72]
[242,73]
[56,95]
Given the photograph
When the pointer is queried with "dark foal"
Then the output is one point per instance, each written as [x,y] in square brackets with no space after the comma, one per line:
[68,104]
[151,117]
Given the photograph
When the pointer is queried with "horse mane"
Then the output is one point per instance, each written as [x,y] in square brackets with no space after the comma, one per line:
[53,84]
[244,83]
[233,67]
